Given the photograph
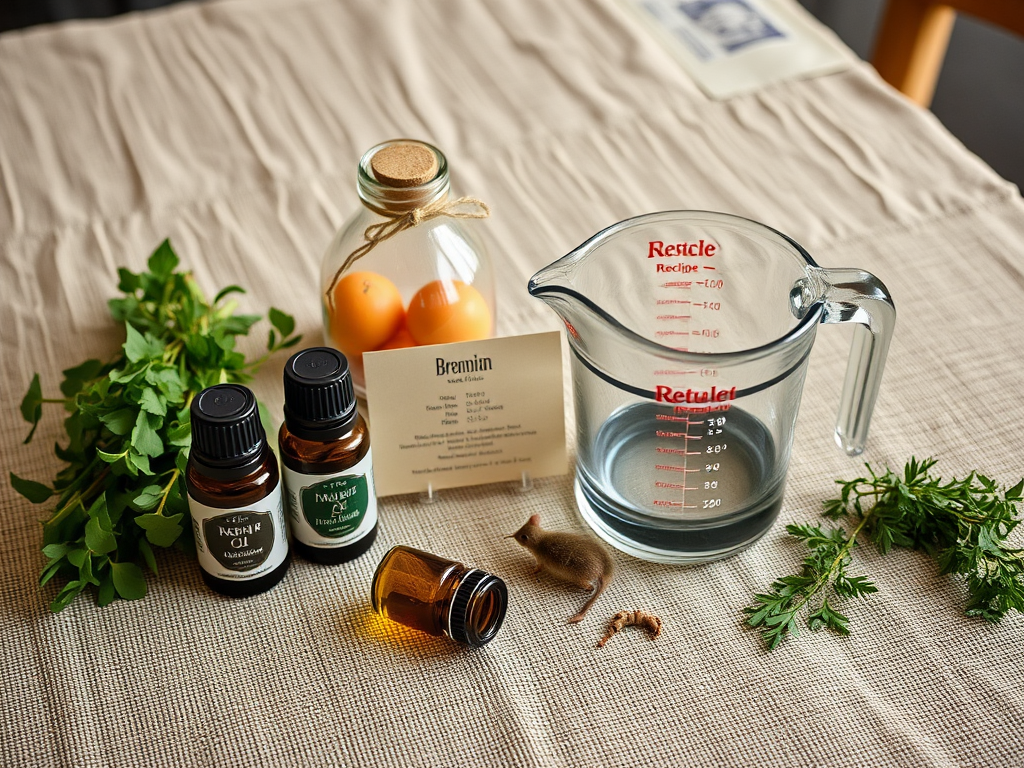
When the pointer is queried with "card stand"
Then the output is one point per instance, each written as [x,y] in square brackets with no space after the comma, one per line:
[429,496]
[525,484]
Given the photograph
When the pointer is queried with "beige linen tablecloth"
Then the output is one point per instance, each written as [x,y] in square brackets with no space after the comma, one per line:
[234,128]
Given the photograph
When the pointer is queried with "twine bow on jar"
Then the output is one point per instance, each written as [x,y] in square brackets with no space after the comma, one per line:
[462,208]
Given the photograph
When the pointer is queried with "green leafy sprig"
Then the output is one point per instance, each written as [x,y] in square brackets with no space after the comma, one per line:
[962,524]
[122,491]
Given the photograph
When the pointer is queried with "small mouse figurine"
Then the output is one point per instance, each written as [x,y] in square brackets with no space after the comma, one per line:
[576,559]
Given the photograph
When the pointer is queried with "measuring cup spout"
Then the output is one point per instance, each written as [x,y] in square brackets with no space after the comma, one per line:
[583,316]
[551,286]
[558,287]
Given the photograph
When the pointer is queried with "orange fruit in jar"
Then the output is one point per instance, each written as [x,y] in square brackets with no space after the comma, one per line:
[400,340]
[444,311]
[368,310]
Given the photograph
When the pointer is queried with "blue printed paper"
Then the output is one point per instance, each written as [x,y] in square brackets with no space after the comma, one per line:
[735,46]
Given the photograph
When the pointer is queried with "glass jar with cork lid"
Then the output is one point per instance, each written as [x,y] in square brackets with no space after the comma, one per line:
[409,268]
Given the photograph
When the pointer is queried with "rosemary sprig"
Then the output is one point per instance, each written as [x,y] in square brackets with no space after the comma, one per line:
[963,524]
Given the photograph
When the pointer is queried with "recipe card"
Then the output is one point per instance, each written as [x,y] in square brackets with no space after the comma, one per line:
[474,412]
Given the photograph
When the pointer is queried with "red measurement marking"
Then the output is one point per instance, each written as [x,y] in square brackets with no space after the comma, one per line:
[678,284]
[675,486]
[673,317]
[669,468]
[677,451]
[672,373]
[663,433]
[683,419]
[707,267]
[672,333]
[672,301]
[663,503]
[706,409]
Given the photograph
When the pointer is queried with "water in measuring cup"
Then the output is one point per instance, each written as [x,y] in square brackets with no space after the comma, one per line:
[638,491]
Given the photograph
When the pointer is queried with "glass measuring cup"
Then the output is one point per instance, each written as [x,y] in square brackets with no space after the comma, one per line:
[690,334]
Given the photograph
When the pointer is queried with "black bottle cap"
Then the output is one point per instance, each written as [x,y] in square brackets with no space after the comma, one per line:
[226,427]
[478,608]
[319,401]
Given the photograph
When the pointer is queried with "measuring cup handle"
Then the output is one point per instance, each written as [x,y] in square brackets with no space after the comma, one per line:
[855,296]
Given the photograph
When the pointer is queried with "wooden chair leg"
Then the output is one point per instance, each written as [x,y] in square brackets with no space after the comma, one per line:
[911,45]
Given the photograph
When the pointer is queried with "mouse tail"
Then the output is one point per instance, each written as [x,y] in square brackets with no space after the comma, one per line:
[602,582]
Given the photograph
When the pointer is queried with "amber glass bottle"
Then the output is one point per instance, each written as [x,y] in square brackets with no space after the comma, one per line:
[439,596]
[234,494]
[328,467]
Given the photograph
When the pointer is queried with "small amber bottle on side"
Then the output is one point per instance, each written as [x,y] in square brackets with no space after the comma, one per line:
[438,596]
[234,494]
[328,467]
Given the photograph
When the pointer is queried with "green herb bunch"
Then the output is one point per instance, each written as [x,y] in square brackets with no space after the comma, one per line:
[963,524]
[122,490]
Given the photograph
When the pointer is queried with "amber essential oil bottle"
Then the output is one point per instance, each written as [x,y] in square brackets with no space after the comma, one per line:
[325,449]
[234,494]
[439,596]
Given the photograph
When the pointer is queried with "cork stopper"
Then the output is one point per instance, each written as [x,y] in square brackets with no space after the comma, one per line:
[404,165]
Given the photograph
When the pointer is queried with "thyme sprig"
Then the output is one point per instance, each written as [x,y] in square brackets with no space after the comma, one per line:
[963,524]
[128,433]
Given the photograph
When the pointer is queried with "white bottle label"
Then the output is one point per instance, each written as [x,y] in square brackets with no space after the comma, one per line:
[244,543]
[334,510]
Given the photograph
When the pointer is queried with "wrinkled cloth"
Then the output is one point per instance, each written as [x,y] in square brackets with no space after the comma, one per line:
[234,128]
